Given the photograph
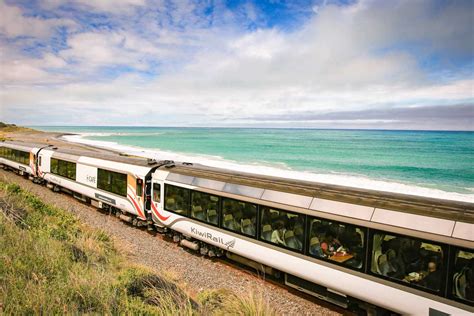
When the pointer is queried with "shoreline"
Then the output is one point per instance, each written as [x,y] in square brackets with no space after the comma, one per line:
[76,141]
[345,180]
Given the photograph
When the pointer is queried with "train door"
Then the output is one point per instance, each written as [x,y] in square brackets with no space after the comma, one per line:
[140,196]
[157,201]
[43,162]
[156,196]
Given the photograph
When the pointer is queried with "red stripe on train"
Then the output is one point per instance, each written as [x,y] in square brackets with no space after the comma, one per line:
[161,217]
[140,213]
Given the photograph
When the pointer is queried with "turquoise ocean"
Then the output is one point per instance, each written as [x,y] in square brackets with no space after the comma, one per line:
[431,163]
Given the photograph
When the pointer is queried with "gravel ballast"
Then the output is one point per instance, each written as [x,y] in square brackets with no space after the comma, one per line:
[194,272]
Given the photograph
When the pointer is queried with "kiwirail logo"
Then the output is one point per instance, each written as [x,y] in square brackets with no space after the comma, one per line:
[229,244]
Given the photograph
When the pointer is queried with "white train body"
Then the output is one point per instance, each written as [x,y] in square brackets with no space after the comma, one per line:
[26,167]
[86,180]
[299,267]
[340,282]
[337,280]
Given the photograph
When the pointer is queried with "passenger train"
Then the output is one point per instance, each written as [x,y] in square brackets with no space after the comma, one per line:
[369,251]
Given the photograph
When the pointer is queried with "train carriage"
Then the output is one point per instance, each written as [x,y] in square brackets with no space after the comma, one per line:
[243,213]
[360,249]
[107,183]
[19,157]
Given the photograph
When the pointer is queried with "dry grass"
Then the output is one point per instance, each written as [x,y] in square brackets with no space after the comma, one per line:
[225,302]
[50,263]
[6,131]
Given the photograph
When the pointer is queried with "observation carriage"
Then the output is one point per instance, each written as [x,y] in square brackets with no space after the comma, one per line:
[364,250]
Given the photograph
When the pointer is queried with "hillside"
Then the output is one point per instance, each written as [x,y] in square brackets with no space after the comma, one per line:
[7,129]
[51,263]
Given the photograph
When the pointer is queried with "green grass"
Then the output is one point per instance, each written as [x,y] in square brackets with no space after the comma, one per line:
[50,263]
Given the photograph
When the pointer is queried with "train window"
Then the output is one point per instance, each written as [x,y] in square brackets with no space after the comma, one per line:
[139,187]
[54,166]
[177,199]
[205,207]
[282,228]
[19,156]
[111,181]
[239,216]
[63,168]
[463,276]
[413,261]
[337,242]
[156,192]
[25,157]
[39,161]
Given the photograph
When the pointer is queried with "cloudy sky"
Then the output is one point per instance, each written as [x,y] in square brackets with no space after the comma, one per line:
[337,64]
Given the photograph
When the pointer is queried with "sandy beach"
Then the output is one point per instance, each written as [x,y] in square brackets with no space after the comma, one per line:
[27,135]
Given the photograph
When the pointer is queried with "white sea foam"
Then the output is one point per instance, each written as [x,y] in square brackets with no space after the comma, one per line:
[278,170]
[108,134]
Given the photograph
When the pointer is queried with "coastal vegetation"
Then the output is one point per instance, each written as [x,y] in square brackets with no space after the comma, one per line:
[6,129]
[51,263]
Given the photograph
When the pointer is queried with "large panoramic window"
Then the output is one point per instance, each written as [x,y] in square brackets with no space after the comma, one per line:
[282,228]
[463,276]
[63,168]
[205,207]
[414,261]
[111,181]
[177,199]
[337,242]
[19,156]
[239,216]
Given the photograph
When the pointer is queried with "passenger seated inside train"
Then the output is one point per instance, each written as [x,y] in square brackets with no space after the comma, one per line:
[409,260]
[433,277]
[282,228]
[338,242]
[463,278]
[278,234]
[315,247]
[391,266]
[330,245]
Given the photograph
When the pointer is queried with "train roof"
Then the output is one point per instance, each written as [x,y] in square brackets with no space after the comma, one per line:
[21,145]
[91,152]
[299,193]
[305,194]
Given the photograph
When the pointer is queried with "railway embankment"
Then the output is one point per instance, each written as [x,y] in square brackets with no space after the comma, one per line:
[51,262]
[61,255]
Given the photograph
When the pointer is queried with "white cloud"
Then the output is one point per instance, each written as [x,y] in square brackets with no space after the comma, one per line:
[344,58]
[13,23]
[17,69]
[111,6]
